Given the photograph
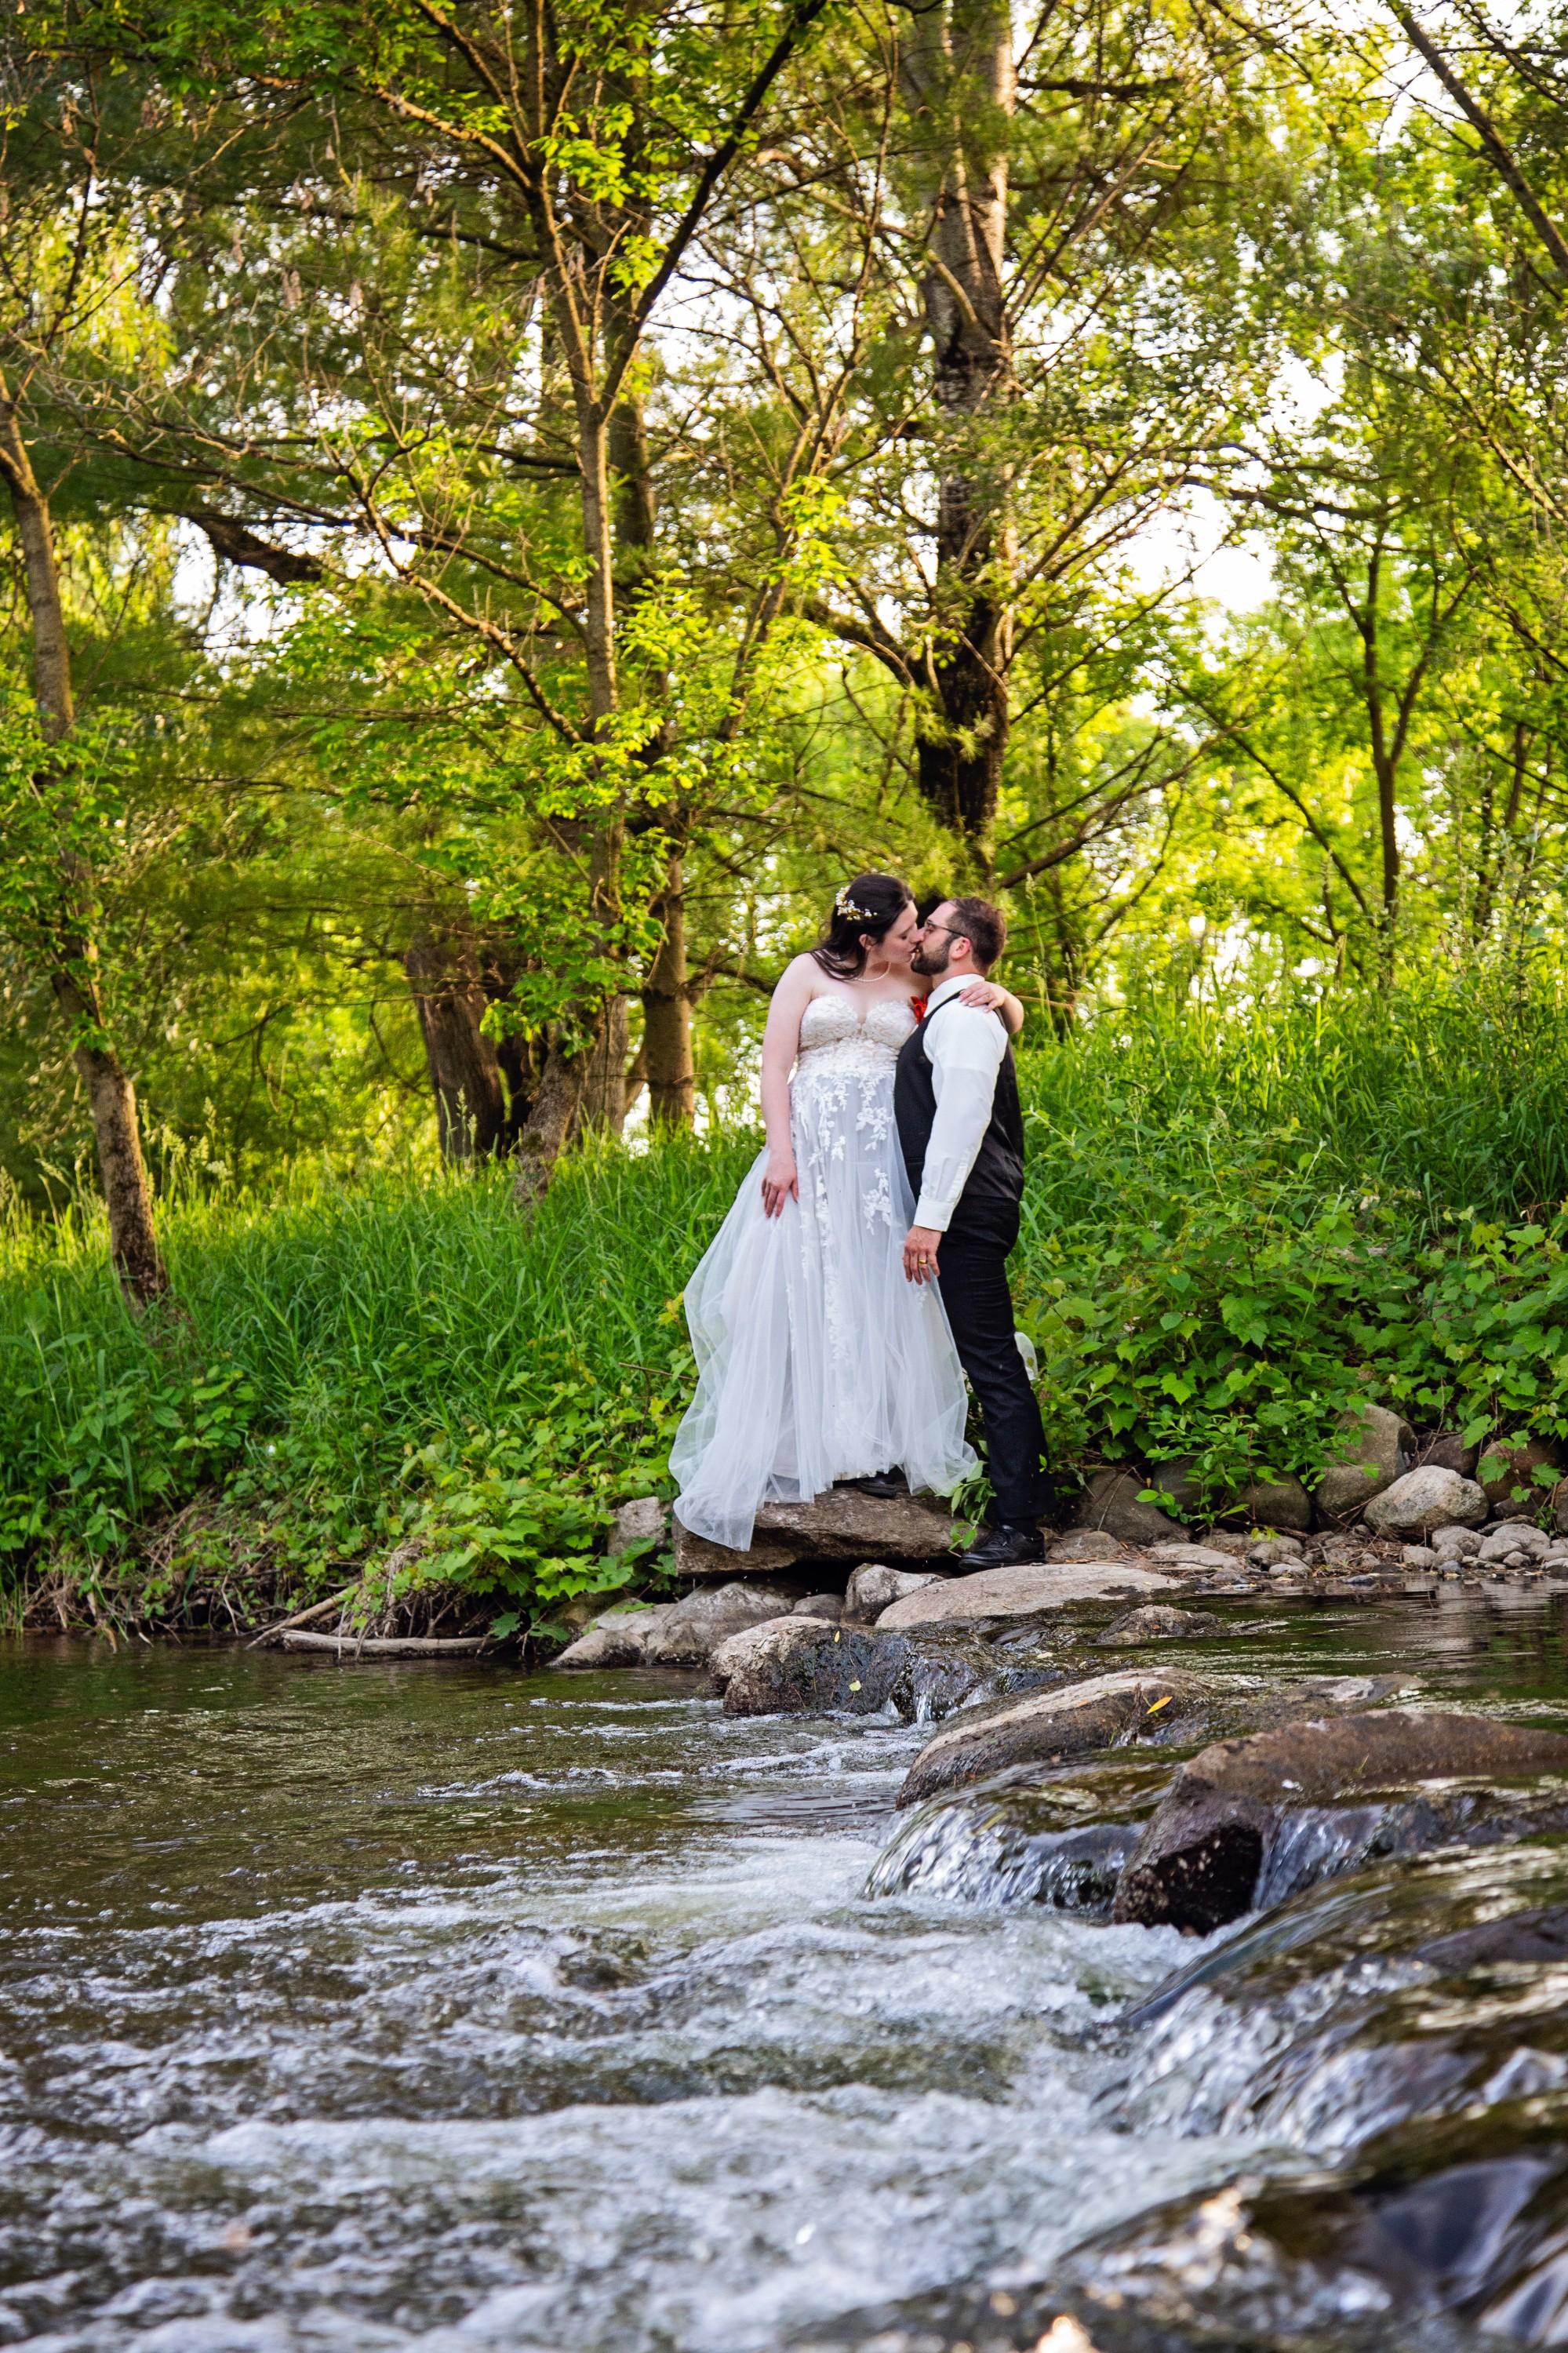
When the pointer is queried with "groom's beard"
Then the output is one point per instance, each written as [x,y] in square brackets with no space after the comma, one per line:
[925,961]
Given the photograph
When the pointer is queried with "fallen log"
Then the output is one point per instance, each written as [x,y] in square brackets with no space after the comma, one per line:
[303,1617]
[387,1646]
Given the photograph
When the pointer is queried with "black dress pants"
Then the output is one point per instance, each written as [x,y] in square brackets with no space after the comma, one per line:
[973,1283]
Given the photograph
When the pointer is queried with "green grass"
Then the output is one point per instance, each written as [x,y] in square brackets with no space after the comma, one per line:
[1236,1224]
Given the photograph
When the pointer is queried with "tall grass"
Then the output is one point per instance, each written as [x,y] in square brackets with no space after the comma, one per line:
[1235,1220]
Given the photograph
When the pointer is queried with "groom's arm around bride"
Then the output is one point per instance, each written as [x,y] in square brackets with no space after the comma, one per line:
[961,1128]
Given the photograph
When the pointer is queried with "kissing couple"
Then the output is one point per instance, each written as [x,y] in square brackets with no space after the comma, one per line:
[862,1270]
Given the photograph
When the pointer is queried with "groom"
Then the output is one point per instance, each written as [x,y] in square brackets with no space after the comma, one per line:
[960,1123]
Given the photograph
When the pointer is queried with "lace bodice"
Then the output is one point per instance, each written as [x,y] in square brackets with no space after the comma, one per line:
[835,1038]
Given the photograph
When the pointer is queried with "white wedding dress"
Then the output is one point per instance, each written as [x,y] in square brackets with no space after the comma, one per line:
[817,1360]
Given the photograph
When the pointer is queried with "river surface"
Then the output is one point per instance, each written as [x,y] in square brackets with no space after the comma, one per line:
[443,2007]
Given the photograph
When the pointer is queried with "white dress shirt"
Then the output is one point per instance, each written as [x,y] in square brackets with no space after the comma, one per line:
[965,1049]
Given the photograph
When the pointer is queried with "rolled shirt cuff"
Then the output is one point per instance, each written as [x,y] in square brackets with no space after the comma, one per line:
[934,1214]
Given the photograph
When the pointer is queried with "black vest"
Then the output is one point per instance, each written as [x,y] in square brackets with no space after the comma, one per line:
[988,1202]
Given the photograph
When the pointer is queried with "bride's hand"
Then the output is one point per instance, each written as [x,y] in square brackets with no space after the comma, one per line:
[984,993]
[779,1183]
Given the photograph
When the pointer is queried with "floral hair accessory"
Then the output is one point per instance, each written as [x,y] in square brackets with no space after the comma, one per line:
[845,905]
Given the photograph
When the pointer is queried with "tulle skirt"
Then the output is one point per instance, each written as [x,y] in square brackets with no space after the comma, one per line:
[817,1359]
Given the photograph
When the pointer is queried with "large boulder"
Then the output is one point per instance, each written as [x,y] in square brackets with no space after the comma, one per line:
[1376,1447]
[842,1524]
[875,1587]
[618,1638]
[1425,1501]
[1201,1860]
[1028,1592]
[1560,1508]
[1045,1726]
[693,1629]
[1446,1451]
[1110,1504]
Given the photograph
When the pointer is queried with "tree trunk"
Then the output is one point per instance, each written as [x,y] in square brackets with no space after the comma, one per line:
[112,1098]
[465,1070]
[667,1010]
[602,1106]
[548,1126]
[959,71]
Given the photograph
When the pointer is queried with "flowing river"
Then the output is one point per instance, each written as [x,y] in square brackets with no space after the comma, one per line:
[442,2007]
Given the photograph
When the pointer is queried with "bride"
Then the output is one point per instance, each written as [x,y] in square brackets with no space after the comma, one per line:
[817,1360]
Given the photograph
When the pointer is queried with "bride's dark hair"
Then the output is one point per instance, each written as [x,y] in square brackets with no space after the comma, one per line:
[866,909]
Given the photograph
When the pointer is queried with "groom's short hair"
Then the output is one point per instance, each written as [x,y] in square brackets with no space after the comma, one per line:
[983,925]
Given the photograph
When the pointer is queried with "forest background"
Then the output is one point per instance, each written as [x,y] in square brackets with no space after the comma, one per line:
[503,509]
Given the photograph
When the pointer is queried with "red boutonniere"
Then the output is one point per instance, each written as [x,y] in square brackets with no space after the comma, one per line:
[917,1007]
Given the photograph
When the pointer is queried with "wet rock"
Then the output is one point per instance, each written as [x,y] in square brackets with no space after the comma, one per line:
[819,1605]
[842,1524]
[1207,1850]
[1512,1482]
[1157,1621]
[1512,1537]
[875,1587]
[1376,1448]
[1426,1500]
[1277,1504]
[1014,1840]
[694,1628]
[1069,1721]
[618,1638]
[1451,1544]
[644,1521]
[1110,1504]
[1017,1593]
[807,1666]
[803,1667]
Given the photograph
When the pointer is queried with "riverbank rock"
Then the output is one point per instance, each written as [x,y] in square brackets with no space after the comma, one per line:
[842,1524]
[1110,1504]
[1560,1508]
[1513,1541]
[1275,1504]
[1190,1557]
[875,1587]
[1087,1543]
[1157,1621]
[618,1638]
[1425,1501]
[694,1628]
[1377,1447]
[645,1520]
[1046,1725]
[819,1605]
[1201,1860]
[1514,1483]
[1027,1592]
[1454,1544]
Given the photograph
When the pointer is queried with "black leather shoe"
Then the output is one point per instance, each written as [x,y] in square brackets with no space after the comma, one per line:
[884,1484]
[1010,1545]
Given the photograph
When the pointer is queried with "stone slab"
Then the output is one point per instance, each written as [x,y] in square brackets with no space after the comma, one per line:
[842,1524]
